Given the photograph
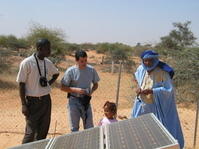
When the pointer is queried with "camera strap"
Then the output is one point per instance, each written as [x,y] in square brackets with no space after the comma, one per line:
[38,66]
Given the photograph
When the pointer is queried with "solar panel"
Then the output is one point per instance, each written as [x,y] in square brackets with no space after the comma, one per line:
[144,132]
[87,139]
[41,144]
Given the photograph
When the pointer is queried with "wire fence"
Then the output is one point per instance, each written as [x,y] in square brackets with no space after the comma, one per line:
[112,87]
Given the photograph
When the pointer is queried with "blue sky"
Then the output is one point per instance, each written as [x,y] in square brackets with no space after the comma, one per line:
[126,21]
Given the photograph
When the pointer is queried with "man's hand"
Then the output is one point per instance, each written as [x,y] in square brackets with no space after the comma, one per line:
[25,110]
[147,91]
[23,99]
[54,77]
[138,91]
[80,91]
[95,86]
[72,89]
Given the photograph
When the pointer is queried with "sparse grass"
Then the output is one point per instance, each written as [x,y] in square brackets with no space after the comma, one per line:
[7,81]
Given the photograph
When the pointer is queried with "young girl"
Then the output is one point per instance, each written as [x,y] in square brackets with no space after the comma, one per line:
[110,112]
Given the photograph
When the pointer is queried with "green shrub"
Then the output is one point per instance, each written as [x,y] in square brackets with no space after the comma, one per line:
[13,42]
[55,36]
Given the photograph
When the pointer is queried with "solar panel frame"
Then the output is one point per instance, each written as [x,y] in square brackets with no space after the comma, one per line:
[34,145]
[88,139]
[128,134]
[141,129]
[174,141]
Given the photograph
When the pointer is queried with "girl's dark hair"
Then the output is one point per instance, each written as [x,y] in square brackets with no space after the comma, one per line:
[80,53]
[111,106]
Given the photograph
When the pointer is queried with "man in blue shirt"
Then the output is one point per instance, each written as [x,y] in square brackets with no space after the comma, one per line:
[77,82]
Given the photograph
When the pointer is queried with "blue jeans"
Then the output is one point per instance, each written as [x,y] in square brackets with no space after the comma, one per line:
[77,111]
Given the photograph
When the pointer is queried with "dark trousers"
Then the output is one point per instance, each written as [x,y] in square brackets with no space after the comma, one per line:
[38,121]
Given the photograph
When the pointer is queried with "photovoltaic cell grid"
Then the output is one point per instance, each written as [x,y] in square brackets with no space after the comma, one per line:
[34,145]
[87,139]
[144,132]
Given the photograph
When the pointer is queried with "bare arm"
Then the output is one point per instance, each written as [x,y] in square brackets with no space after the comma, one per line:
[95,86]
[54,77]
[23,98]
[72,89]
[22,93]
[138,89]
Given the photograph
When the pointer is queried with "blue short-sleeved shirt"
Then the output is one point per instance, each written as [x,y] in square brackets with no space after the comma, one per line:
[81,78]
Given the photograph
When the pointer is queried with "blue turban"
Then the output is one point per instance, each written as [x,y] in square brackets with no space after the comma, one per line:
[154,55]
[149,54]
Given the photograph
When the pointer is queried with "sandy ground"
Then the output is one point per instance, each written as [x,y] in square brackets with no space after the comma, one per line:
[12,121]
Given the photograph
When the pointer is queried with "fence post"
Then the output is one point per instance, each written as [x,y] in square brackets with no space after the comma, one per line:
[112,66]
[118,84]
[196,125]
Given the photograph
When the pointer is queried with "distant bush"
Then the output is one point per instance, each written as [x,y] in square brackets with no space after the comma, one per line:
[187,69]
[3,41]
[4,63]
[179,38]
[116,51]
[13,42]
[55,36]
[88,46]
[186,78]
[138,49]
[177,49]
[71,48]
[7,84]
[102,47]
